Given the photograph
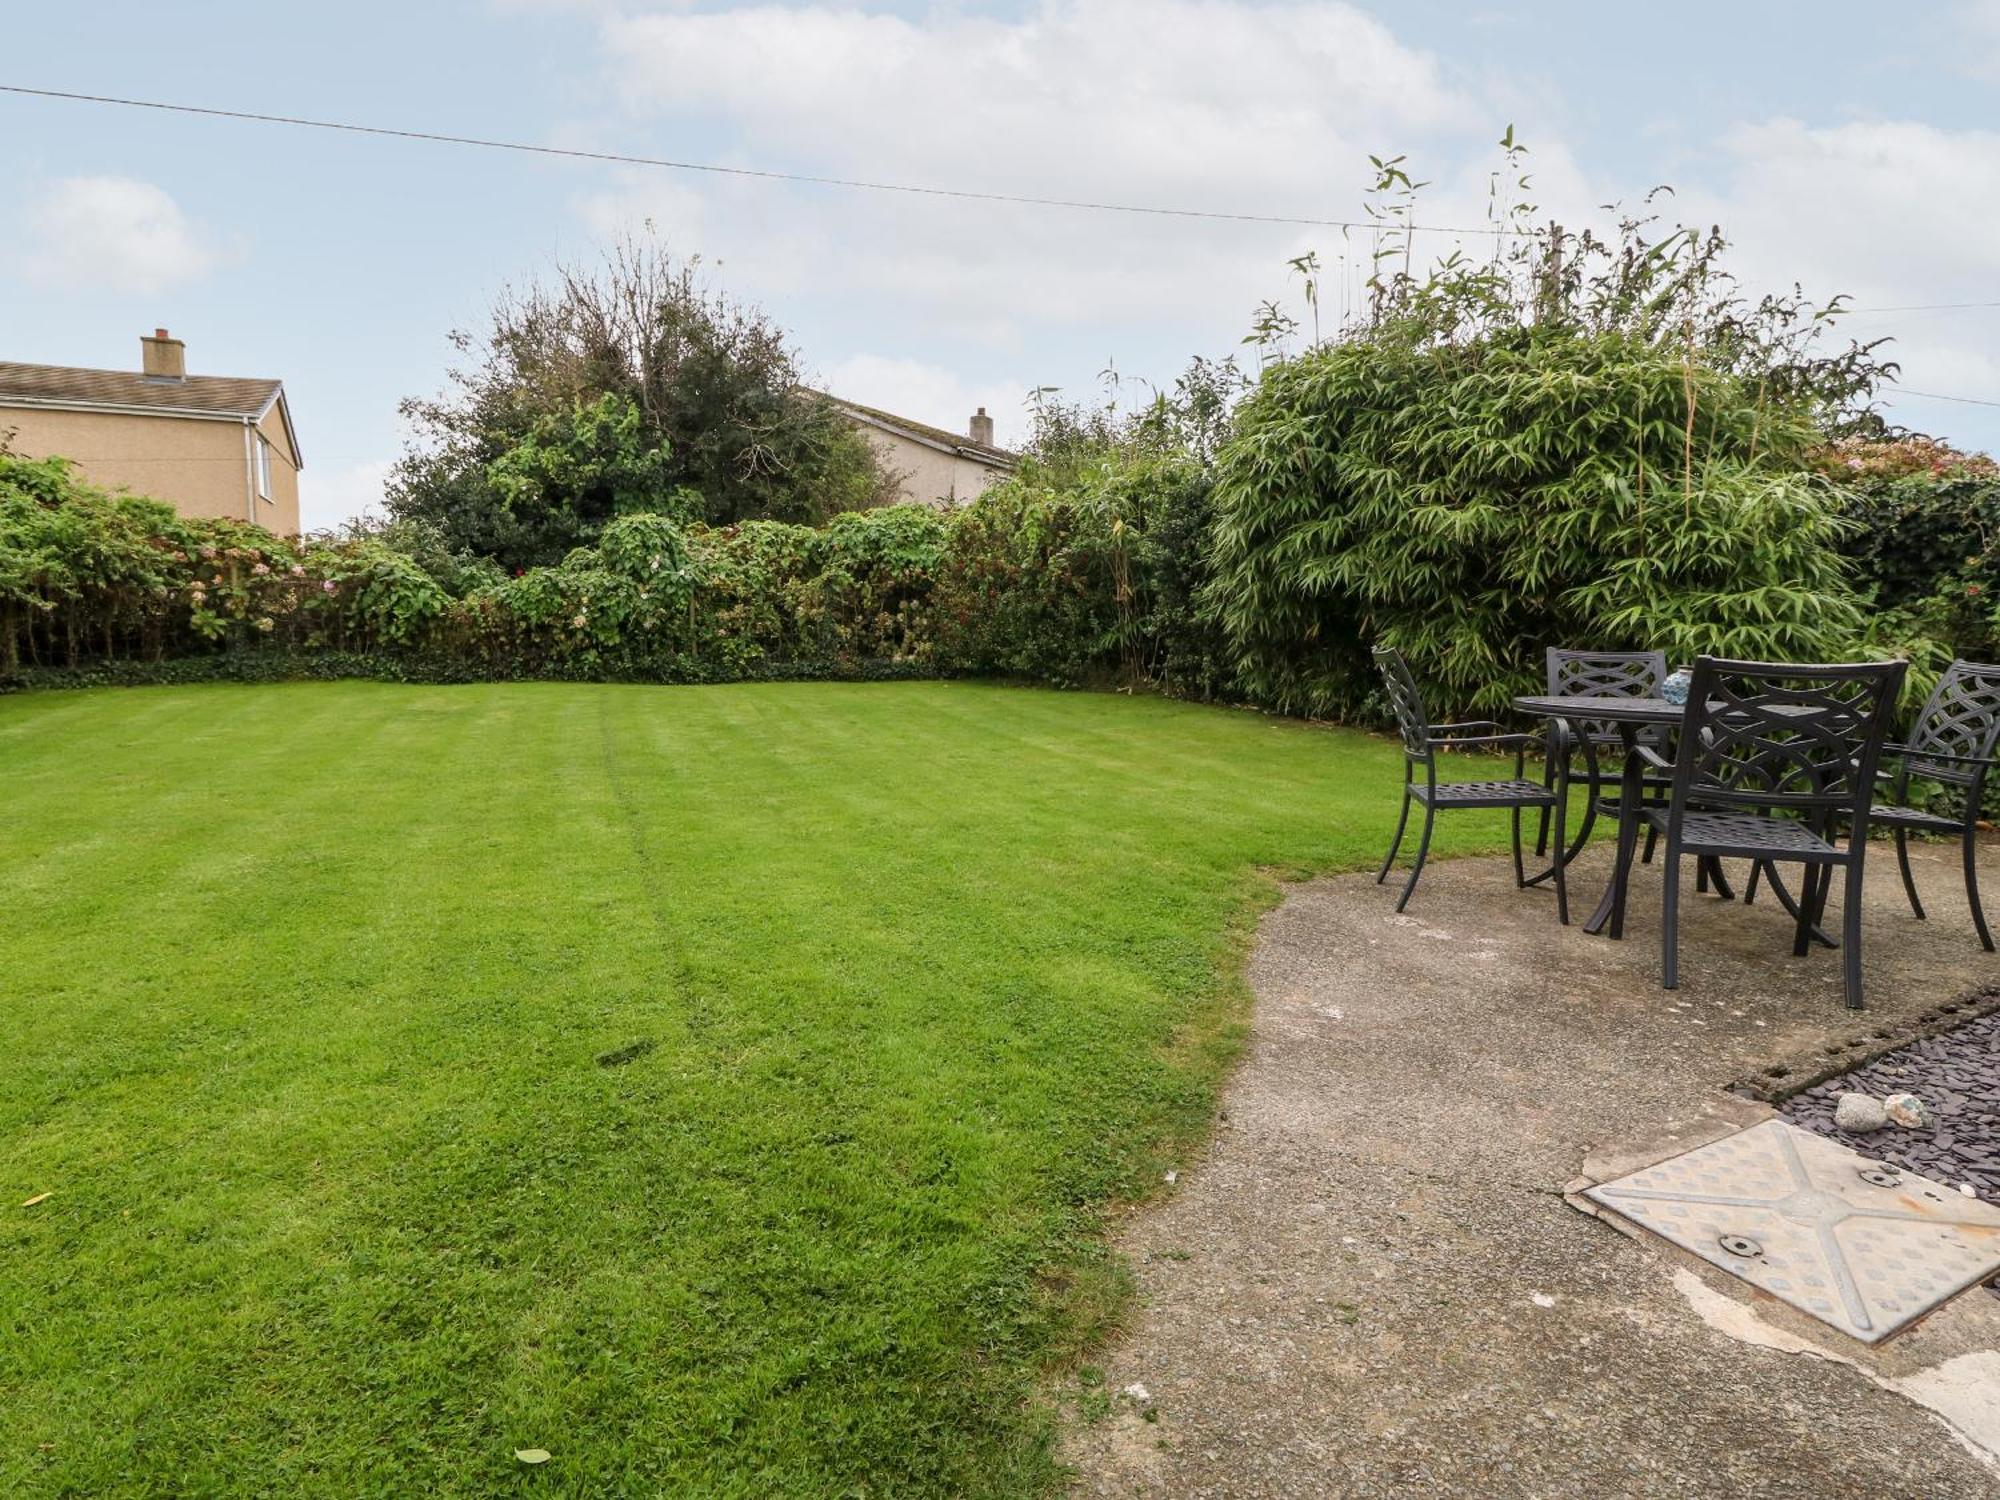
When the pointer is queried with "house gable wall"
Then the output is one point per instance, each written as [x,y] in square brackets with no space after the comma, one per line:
[929,476]
[195,464]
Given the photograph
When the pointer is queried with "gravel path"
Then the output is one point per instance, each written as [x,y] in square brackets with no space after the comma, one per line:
[1370,1284]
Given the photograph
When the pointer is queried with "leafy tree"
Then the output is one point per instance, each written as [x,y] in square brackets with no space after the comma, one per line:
[629,386]
[572,472]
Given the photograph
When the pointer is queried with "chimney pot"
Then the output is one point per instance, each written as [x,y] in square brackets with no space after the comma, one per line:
[981,428]
[163,357]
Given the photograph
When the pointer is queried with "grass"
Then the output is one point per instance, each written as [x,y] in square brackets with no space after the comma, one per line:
[720,1088]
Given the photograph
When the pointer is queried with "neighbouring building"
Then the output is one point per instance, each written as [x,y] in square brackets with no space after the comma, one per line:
[209,445]
[932,466]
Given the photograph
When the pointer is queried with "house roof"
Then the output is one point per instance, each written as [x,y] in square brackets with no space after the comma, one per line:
[71,389]
[929,436]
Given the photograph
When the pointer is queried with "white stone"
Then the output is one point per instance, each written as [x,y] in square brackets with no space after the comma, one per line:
[1859,1113]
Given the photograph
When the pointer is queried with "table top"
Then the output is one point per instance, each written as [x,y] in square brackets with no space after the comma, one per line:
[1609,710]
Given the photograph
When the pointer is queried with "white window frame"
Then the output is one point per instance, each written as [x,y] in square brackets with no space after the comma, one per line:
[262,461]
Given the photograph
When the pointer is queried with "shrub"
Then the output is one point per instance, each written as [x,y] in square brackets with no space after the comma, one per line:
[1471,505]
[1084,571]
[1923,539]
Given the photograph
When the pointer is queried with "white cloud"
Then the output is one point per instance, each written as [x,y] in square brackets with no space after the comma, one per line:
[1227,105]
[114,234]
[330,498]
[1209,104]
[1893,213]
[1981,19]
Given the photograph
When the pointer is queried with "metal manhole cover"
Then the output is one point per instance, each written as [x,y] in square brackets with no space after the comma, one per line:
[1830,1238]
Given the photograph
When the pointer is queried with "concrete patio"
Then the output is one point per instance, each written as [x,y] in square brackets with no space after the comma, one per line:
[1371,1282]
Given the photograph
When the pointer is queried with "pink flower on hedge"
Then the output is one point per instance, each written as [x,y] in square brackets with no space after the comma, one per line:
[298,570]
[261,569]
[327,584]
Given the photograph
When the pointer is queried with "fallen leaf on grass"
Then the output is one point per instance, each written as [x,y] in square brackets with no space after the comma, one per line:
[38,1198]
[532,1455]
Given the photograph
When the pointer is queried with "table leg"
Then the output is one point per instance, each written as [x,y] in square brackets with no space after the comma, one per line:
[1581,837]
[1611,910]
[1791,907]
[1718,881]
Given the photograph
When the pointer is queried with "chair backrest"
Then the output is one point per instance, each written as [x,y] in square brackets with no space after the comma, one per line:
[1407,703]
[1760,734]
[1961,717]
[1607,674]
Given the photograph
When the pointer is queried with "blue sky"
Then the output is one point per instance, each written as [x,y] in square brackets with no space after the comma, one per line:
[1834,155]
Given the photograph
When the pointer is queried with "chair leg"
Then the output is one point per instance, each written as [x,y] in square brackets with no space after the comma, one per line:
[1750,890]
[1969,843]
[1652,839]
[1701,877]
[1402,822]
[1423,852]
[1562,863]
[1825,894]
[1670,920]
[1850,930]
[1807,900]
[1903,864]
[1520,871]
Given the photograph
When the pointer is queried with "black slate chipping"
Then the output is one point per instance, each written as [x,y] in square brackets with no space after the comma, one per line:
[1957,1073]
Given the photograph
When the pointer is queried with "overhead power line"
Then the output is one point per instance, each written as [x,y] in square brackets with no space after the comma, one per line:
[1922,307]
[866,185]
[624,159]
[1901,390]
[769,175]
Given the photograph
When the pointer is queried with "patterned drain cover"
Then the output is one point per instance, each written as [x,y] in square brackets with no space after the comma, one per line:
[1856,1244]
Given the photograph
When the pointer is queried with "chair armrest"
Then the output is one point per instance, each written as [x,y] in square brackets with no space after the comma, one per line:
[1910,752]
[1488,725]
[1652,757]
[1497,741]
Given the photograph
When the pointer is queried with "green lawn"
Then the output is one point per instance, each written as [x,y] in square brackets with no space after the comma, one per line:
[307,991]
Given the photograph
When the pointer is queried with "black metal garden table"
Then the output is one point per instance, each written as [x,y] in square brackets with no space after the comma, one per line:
[1630,716]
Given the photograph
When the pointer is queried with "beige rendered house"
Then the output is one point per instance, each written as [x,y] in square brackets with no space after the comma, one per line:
[209,445]
[934,467]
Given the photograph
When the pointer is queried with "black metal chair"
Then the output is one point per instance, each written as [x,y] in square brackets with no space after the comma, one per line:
[1765,737]
[1952,742]
[1597,674]
[1421,742]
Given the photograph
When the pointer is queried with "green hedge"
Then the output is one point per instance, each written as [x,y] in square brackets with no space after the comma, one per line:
[1065,583]
[1924,539]
[1347,509]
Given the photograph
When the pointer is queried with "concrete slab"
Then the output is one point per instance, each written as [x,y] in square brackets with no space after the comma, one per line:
[1370,1283]
[1862,1247]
